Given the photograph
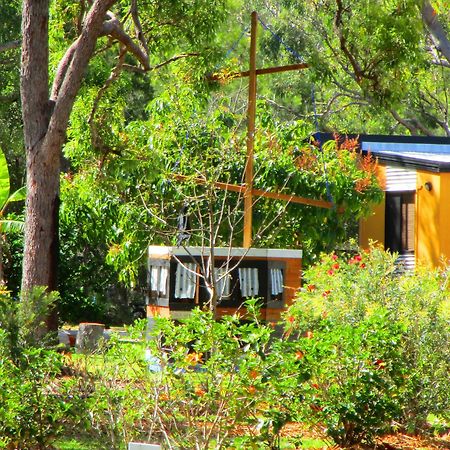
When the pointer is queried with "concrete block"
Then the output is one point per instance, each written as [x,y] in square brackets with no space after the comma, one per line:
[139,446]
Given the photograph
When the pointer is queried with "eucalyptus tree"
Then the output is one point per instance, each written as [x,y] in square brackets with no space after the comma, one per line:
[378,66]
[138,32]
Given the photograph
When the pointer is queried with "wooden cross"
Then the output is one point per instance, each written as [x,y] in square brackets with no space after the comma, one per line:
[247,188]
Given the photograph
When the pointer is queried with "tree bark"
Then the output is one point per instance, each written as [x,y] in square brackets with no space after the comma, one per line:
[42,166]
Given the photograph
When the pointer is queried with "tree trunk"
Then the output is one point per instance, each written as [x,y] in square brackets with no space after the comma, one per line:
[45,124]
[41,239]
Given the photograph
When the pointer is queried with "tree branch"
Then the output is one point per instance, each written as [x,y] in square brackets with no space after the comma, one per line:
[162,64]
[137,23]
[113,28]
[343,42]
[413,125]
[14,97]
[437,31]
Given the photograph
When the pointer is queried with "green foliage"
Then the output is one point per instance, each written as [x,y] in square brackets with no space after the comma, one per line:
[202,382]
[34,405]
[375,341]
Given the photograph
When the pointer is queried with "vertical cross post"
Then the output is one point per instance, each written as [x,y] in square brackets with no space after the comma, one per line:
[251,114]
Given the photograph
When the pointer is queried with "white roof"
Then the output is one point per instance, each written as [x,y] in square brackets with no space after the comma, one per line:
[415,151]
[155,251]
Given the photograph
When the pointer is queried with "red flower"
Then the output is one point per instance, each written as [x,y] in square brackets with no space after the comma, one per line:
[330,272]
[362,265]
[299,355]
[335,266]
[326,293]
[311,287]
[291,319]
[380,364]
[334,257]
[357,258]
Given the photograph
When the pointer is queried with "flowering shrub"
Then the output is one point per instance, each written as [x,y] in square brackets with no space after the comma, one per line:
[208,384]
[380,340]
[219,378]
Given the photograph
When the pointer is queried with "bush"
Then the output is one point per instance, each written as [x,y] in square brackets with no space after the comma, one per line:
[380,347]
[213,381]
[34,402]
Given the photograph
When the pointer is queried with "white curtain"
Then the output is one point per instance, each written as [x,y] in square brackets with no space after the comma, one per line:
[248,279]
[158,279]
[222,282]
[185,280]
[276,278]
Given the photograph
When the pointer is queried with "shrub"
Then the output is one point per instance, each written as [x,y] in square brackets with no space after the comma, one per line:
[34,402]
[214,380]
[362,310]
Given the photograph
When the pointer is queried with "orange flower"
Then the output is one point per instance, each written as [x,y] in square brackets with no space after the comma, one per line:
[311,287]
[252,389]
[163,397]
[315,407]
[194,358]
[299,355]
[253,374]
[199,392]
[291,319]
[309,335]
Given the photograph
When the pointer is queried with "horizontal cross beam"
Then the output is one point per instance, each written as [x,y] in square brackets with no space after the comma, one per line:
[246,73]
[260,193]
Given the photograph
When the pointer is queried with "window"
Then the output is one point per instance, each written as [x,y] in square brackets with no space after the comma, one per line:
[400,220]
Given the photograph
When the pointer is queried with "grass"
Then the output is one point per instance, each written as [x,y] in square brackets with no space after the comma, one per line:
[78,443]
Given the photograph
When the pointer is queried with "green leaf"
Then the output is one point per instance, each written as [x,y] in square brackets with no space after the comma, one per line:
[4,180]
[7,226]
[18,195]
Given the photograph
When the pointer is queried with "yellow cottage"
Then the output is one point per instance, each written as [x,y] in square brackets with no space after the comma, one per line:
[414,217]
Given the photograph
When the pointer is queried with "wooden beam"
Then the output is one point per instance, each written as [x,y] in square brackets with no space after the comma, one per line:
[251,118]
[293,198]
[218,184]
[246,73]
[240,188]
